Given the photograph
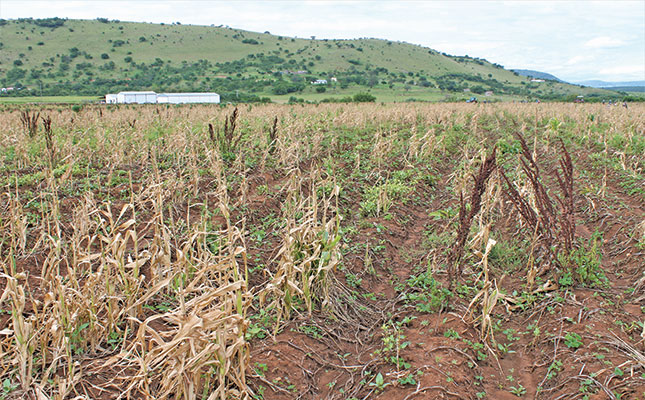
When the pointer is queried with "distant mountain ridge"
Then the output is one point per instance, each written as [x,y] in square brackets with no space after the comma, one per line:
[604,84]
[639,89]
[536,74]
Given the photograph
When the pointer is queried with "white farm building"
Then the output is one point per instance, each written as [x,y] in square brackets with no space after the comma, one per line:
[181,98]
[136,97]
[161,98]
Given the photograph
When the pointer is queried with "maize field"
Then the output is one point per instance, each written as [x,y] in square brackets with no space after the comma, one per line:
[332,251]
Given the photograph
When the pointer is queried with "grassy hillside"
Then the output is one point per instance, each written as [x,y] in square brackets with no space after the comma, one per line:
[79,57]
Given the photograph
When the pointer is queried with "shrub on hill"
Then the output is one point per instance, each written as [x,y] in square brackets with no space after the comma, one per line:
[363,98]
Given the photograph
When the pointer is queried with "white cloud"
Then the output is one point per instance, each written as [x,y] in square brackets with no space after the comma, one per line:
[578,60]
[630,70]
[603,42]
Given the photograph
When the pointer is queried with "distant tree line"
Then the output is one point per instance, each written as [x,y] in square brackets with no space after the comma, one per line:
[44,22]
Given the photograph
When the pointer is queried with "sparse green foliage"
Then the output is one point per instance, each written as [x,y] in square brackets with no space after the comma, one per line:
[572,340]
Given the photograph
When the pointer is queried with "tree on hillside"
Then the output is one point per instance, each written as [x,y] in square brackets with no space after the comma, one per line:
[363,98]
[478,89]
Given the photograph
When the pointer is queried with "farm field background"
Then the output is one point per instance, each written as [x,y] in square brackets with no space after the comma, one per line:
[332,251]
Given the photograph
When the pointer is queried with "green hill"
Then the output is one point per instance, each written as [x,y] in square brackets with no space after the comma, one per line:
[79,57]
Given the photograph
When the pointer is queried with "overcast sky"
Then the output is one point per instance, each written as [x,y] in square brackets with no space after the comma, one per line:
[574,40]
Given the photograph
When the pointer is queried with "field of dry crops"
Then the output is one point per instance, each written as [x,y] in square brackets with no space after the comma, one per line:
[404,251]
